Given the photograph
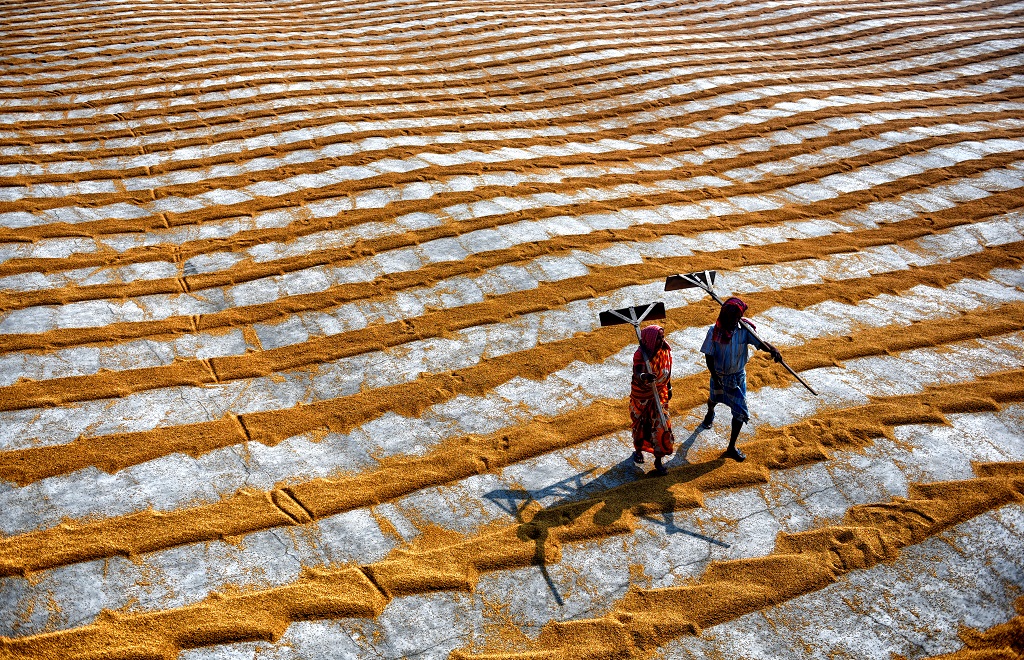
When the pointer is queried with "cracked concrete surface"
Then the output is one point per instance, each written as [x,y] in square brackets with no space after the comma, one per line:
[426,148]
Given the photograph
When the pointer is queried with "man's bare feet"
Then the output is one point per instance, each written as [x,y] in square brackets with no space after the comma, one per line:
[734,454]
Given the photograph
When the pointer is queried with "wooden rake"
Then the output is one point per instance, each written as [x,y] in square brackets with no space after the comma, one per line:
[705,280]
[635,316]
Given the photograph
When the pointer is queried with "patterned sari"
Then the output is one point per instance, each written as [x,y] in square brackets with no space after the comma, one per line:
[648,433]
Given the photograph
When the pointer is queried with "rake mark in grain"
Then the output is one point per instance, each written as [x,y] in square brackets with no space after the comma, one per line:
[457,458]
[801,563]
[199,107]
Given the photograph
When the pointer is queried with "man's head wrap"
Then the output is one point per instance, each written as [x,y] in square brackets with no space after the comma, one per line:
[728,319]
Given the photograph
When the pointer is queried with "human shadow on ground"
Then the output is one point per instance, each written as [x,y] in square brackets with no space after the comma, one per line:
[679,457]
[616,490]
[669,523]
[571,489]
[514,501]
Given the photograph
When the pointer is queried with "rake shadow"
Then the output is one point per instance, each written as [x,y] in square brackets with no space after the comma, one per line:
[616,490]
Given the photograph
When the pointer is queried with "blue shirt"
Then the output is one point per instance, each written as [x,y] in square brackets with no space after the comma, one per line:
[730,358]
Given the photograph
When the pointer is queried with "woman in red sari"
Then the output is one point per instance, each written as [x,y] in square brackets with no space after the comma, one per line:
[649,434]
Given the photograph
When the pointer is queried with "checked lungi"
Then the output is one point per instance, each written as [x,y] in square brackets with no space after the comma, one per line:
[732,394]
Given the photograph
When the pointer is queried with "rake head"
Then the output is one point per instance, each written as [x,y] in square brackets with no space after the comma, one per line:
[633,315]
[702,278]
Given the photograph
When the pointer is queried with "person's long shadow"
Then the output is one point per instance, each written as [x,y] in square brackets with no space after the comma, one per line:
[668,521]
[616,490]
[680,456]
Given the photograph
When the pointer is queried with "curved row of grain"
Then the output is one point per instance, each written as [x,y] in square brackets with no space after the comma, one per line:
[299,352]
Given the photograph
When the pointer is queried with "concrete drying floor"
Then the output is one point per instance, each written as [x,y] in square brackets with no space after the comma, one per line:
[299,349]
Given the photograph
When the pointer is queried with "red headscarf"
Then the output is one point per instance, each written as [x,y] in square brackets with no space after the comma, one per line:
[649,340]
[728,319]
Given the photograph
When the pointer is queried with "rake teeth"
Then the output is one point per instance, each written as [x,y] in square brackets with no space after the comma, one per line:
[687,280]
[649,312]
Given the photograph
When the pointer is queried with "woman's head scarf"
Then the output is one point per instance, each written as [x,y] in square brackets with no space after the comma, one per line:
[649,340]
[728,319]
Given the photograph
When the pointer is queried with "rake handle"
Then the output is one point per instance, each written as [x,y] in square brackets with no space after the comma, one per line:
[781,361]
[746,325]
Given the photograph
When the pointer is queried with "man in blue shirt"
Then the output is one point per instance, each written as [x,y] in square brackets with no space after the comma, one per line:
[725,352]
